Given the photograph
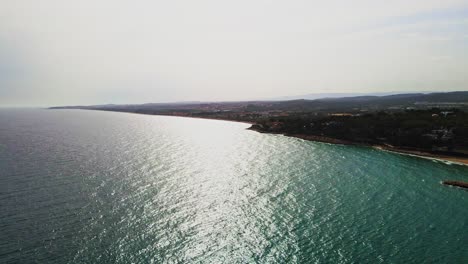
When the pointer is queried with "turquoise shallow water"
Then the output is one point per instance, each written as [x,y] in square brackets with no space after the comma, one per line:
[101,187]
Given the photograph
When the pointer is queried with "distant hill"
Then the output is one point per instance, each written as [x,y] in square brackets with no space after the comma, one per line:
[314,96]
[330,104]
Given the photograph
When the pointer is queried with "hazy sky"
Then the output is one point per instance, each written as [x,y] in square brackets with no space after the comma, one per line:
[89,52]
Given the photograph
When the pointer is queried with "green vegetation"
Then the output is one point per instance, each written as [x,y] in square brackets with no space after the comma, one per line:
[432,130]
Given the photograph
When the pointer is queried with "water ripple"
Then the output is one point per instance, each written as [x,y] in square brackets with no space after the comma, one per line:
[98,187]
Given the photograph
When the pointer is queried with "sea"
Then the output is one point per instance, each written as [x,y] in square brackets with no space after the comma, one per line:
[81,186]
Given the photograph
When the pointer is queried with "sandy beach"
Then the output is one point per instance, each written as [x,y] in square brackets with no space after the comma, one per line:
[417,153]
[422,154]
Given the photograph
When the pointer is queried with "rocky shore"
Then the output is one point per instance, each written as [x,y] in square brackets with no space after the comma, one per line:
[457,184]
[419,153]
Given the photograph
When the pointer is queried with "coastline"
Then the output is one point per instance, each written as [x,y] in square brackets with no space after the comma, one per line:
[426,155]
[136,113]
[415,153]
[209,118]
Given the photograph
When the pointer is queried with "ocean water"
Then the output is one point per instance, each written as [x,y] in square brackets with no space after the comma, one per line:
[82,186]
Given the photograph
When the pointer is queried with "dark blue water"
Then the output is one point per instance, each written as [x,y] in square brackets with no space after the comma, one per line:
[101,187]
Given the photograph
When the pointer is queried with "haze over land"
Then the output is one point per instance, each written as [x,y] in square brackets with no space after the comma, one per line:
[89,52]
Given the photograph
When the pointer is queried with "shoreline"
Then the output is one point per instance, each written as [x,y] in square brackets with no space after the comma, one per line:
[136,113]
[415,153]
[209,118]
[425,155]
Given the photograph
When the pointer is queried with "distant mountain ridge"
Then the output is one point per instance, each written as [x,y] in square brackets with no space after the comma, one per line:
[315,96]
[298,104]
[461,96]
